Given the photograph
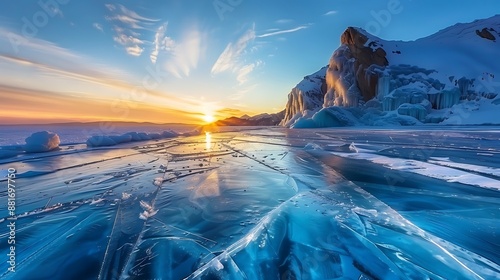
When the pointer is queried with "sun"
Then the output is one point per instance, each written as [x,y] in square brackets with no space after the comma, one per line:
[208,118]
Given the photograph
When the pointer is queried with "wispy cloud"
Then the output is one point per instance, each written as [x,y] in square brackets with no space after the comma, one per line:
[184,55]
[178,57]
[110,7]
[242,92]
[279,32]
[162,43]
[229,111]
[283,21]
[98,26]
[129,17]
[126,22]
[55,69]
[229,58]
[330,13]
[160,33]
[244,71]
[128,40]
[53,61]
[134,50]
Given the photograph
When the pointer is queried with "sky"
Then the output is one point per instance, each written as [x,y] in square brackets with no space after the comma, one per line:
[185,61]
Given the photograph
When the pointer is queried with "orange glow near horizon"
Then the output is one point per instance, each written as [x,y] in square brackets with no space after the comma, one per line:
[26,106]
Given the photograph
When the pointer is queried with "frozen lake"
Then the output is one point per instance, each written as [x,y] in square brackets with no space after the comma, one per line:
[270,203]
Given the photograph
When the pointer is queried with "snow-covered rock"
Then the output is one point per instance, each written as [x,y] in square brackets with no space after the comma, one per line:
[42,141]
[308,95]
[429,79]
[366,56]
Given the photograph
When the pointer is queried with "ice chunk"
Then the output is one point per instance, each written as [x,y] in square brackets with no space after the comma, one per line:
[103,140]
[398,97]
[304,123]
[334,117]
[125,195]
[96,201]
[328,117]
[100,141]
[42,141]
[169,134]
[413,110]
[146,206]
[353,148]
[143,136]
[147,214]
[121,139]
[445,98]
[345,148]
[312,146]
[158,181]
[149,210]
[154,135]
[383,86]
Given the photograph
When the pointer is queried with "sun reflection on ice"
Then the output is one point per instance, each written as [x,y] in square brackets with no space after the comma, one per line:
[208,141]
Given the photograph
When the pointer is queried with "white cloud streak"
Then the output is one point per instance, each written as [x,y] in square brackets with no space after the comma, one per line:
[178,57]
[54,59]
[283,21]
[283,31]
[98,26]
[330,13]
[129,17]
[162,43]
[244,71]
[160,33]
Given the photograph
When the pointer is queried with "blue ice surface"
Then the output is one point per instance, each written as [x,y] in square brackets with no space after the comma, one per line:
[262,204]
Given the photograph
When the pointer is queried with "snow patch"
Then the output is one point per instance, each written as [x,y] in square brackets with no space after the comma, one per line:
[428,169]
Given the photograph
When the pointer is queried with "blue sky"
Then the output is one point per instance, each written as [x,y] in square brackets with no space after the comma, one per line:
[178,61]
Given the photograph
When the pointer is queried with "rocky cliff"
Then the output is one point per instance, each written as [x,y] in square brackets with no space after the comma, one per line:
[429,80]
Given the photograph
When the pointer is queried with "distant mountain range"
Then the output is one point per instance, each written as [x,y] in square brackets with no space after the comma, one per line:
[258,120]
